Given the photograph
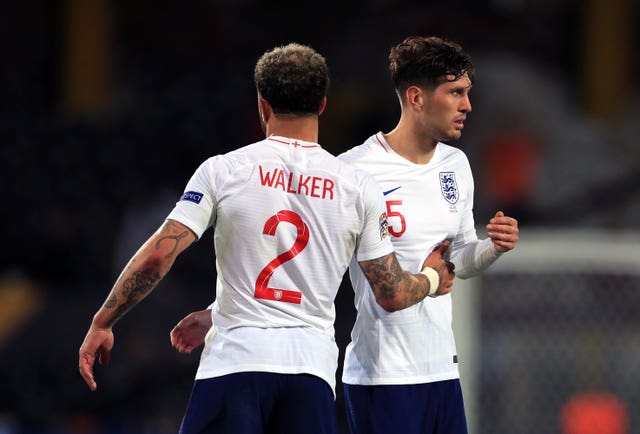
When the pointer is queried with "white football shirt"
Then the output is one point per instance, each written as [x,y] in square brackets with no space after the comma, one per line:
[426,203]
[288,217]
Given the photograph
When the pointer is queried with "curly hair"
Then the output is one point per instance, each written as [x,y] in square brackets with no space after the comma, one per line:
[293,78]
[428,62]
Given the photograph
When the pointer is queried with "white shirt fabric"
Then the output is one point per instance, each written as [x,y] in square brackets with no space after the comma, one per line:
[426,203]
[288,217]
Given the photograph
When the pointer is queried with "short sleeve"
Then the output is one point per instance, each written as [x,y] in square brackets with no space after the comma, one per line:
[374,241]
[197,205]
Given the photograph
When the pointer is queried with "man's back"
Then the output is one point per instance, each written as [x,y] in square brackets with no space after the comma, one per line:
[288,217]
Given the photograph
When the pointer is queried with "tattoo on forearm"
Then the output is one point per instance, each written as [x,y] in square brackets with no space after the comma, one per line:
[140,283]
[147,275]
[176,238]
[388,279]
[384,273]
[111,301]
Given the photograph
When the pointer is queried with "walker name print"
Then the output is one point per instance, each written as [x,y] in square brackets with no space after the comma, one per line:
[298,183]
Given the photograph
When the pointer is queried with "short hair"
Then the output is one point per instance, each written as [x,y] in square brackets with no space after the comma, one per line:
[427,61]
[293,78]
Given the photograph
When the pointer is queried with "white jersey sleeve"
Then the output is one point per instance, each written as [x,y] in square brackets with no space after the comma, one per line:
[196,209]
[375,234]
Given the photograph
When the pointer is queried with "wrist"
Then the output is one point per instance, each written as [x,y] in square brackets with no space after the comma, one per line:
[102,320]
[434,280]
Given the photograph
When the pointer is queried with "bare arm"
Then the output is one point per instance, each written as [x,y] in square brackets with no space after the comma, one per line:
[140,276]
[397,289]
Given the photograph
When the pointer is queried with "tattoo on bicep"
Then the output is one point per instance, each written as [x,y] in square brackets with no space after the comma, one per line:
[176,238]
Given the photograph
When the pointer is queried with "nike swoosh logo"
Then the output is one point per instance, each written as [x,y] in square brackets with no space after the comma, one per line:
[390,191]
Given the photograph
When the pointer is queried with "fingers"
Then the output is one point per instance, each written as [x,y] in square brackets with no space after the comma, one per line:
[174,336]
[500,219]
[178,340]
[443,266]
[85,367]
[103,356]
[442,246]
[182,347]
[97,344]
[447,275]
[450,266]
[435,258]
[503,231]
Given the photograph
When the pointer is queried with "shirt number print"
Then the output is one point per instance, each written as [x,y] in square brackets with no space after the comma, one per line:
[263,290]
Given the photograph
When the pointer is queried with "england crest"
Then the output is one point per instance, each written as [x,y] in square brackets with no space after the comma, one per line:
[448,187]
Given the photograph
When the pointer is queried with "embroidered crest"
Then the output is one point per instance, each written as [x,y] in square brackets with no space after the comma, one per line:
[277,294]
[448,187]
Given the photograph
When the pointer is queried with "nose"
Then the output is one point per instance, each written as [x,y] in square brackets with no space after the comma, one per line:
[465,106]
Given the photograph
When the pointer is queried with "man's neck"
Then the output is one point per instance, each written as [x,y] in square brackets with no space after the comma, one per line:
[407,142]
[303,128]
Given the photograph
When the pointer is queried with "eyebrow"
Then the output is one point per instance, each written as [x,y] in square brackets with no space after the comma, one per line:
[461,87]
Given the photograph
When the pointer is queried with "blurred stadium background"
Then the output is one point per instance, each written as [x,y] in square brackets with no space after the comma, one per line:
[109,105]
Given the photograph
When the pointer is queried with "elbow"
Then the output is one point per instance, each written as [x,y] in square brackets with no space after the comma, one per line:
[391,304]
[156,264]
[466,273]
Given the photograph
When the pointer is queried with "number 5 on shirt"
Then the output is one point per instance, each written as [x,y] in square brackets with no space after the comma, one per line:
[262,283]
[392,213]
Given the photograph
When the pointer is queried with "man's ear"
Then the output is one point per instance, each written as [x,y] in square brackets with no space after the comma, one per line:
[265,109]
[414,97]
[323,105]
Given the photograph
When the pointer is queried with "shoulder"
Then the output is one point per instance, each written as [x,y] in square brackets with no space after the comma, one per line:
[368,150]
[452,154]
[254,150]
[241,156]
[223,165]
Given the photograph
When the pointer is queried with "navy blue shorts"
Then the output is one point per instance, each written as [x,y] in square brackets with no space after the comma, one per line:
[430,408]
[261,403]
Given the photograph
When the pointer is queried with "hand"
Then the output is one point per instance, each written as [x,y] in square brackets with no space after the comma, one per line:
[444,268]
[97,343]
[190,332]
[503,231]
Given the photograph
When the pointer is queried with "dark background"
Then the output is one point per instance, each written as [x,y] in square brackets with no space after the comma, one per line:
[108,106]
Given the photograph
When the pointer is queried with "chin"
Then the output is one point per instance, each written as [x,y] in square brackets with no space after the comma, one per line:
[455,135]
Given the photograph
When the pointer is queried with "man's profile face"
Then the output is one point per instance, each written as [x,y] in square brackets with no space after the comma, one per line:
[446,108]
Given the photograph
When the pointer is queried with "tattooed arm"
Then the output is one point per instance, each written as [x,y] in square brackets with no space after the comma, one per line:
[140,276]
[397,289]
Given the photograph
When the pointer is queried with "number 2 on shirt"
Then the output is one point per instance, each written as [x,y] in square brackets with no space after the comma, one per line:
[262,283]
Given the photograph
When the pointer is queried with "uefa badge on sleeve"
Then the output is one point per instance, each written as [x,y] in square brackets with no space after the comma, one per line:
[384,226]
[192,196]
